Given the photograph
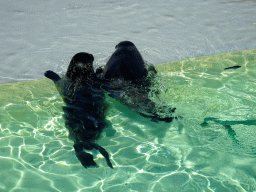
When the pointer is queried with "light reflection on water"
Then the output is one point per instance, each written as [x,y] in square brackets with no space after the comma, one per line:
[36,154]
[43,35]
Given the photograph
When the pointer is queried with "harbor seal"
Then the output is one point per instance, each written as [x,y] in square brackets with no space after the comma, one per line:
[126,63]
[85,107]
[130,79]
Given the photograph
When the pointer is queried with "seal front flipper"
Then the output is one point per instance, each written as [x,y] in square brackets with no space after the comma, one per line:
[156,118]
[165,119]
[51,75]
[86,159]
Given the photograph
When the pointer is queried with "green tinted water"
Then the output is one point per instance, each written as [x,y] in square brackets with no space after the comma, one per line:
[36,154]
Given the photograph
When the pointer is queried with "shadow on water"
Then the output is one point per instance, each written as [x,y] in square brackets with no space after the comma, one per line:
[227,125]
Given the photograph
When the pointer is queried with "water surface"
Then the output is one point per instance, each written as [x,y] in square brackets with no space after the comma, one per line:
[36,154]
[38,35]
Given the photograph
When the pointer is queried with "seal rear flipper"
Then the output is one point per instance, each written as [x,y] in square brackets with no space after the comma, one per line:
[103,152]
[51,75]
[86,159]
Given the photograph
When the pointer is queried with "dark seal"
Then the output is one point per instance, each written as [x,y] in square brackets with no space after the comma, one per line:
[85,109]
[126,62]
[130,79]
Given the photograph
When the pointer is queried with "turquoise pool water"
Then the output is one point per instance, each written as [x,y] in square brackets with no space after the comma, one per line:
[36,154]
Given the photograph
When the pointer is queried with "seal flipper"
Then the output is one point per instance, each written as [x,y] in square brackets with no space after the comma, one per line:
[100,149]
[104,153]
[234,67]
[86,159]
[51,75]
[156,118]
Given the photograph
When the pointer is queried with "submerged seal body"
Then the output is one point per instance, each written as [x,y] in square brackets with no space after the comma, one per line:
[130,80]
[85,109]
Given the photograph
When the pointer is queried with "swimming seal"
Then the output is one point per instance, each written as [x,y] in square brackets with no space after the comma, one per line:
[126,62]
[85,107]
[130,80]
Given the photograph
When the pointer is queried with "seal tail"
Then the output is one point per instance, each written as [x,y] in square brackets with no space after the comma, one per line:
[51,75]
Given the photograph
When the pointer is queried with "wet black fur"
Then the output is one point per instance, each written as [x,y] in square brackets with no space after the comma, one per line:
[85,109]
[130,80]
